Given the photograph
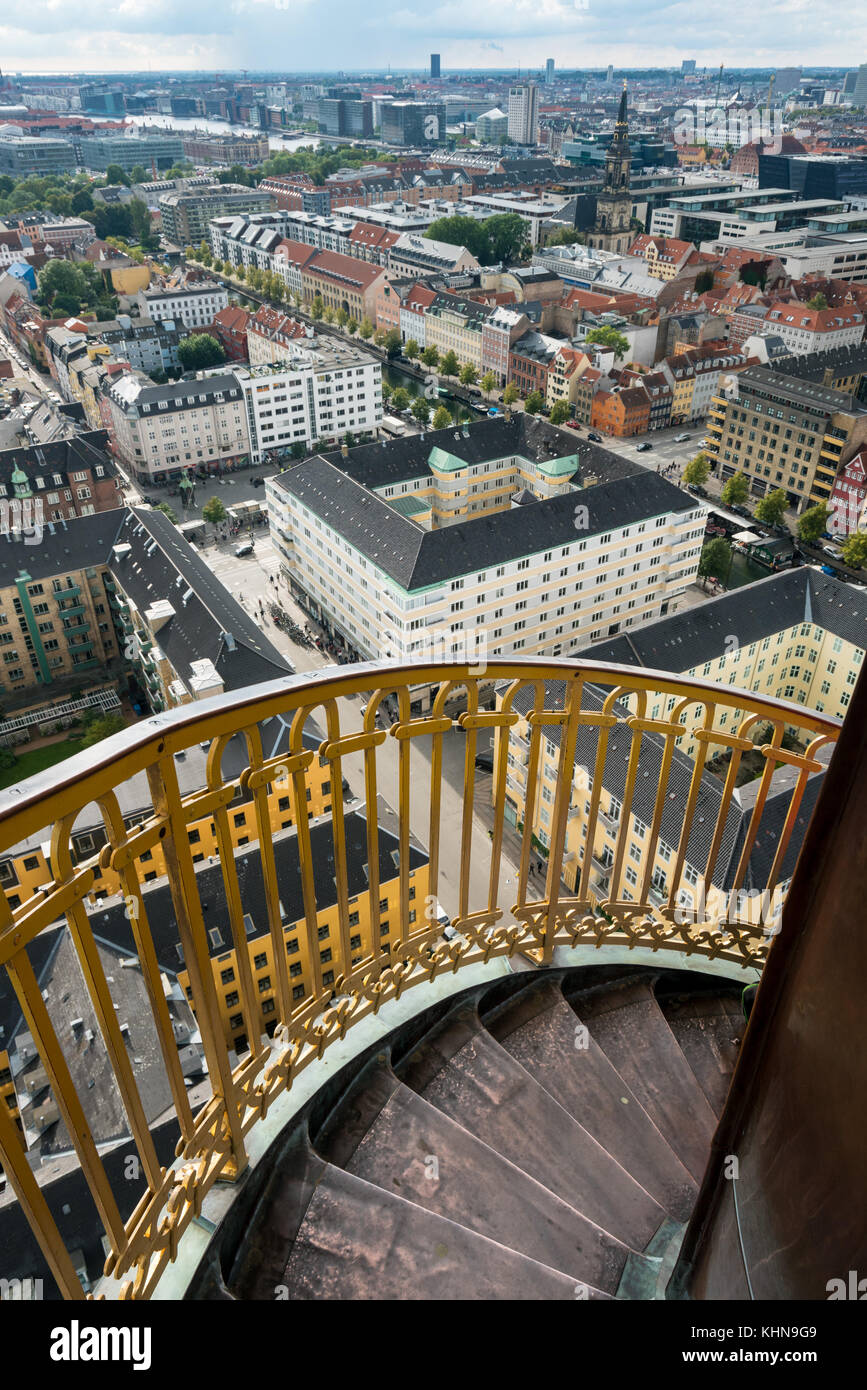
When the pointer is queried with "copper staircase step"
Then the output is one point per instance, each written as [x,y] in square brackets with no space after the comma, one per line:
[544,1035]
[484,1089]
[358,1242]
[630,1027]
[708,1033]
[417,1152]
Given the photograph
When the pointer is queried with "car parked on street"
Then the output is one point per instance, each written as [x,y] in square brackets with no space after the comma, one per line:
[681,438]
[597,438]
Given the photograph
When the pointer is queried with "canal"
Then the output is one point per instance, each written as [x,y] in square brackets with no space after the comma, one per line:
[745,571]
[396,376]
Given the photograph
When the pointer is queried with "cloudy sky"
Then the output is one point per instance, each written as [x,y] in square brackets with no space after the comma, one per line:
[311,35]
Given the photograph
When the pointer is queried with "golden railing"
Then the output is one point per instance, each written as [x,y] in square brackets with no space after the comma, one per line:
[510,918]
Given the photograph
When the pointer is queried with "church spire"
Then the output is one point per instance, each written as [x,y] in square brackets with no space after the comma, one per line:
[621,114]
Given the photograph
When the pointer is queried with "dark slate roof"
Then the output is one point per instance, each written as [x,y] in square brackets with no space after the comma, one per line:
[198,628]
[378,465]
[812,366]
[73,545]
[171,567]
[109,923]
[677,793]
[81,451]
[417,558]
[697,635]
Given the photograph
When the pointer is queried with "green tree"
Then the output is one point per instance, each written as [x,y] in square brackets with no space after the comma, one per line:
[206,257]
[716,558]
[379,337]
[534,402]
[736,491]
[442,418]
[855,550]
[468,374]
[772,508]
[488,383]
[449,364]
[317,308]
[818,301]
[463,231]
[411,349]
[429,356]
[510,395]
[387,390]
[101,727]
[566,236]
[610,338]
[399,399]
[421,410]
[507,236]
[366,329]
[214,512]
[114,174]
[813,522]
[62,283]
[298,450]
[392,342]
[697,471]
[328,314]
[559,412]
[704,281]
[164,507]
[139,174]
[342,317]
[352,326]
[200,350]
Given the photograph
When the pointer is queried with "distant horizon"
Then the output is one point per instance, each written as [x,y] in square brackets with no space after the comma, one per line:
[372,73]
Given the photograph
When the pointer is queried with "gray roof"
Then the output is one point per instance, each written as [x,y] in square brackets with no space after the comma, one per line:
[689,639]
[199,628]
[678,786]
[415,558]
[81,451]
[110,923]
[161,565]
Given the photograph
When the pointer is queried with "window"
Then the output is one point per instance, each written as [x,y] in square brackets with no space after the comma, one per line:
[227,976]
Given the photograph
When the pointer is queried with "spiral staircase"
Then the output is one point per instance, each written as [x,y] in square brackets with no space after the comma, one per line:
[544,1145]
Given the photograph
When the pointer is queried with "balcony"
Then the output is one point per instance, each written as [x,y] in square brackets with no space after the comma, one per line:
[68,591]
[73,610]
[481,871]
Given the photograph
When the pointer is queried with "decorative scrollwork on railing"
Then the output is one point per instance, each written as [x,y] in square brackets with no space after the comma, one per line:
[559,727]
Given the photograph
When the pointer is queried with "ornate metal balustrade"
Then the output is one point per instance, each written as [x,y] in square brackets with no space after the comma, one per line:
[511,916]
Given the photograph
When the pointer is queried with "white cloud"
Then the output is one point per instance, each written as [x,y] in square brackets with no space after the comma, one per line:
[311,35]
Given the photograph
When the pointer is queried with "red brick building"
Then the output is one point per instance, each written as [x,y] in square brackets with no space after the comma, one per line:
[230,330]
[72,477]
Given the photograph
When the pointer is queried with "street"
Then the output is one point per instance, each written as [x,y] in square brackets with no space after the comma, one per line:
[248,579]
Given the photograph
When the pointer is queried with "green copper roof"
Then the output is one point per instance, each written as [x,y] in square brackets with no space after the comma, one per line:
[441,461]
[559,468]
[408,506]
